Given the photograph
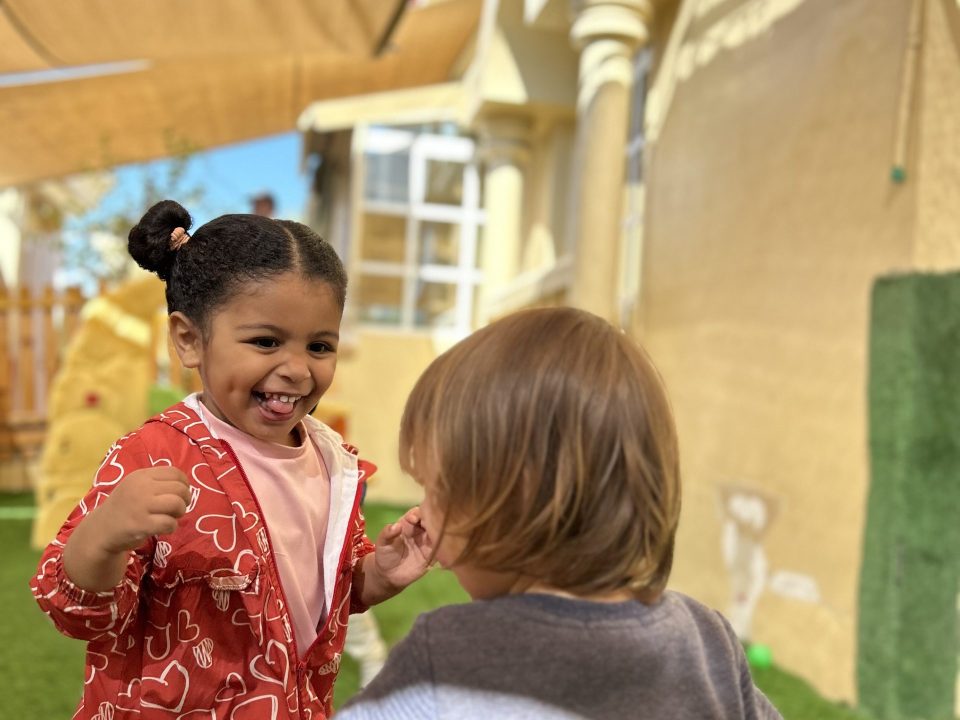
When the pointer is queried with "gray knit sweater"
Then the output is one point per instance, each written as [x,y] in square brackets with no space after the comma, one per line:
[543,656]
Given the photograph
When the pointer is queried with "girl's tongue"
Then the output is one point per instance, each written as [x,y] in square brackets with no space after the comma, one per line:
[277,405]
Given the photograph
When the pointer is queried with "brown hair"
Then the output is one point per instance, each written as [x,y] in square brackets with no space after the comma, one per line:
[555,452]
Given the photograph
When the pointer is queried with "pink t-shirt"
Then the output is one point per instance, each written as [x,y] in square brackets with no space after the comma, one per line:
[293,489]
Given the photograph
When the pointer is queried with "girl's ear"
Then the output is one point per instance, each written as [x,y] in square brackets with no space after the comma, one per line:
[187,339]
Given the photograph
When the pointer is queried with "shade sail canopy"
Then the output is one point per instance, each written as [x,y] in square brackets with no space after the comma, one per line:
[181,74]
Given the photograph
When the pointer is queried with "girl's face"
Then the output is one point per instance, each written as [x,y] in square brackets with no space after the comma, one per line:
[269,355]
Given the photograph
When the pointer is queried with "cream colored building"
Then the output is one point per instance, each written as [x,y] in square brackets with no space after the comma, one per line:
[726,178]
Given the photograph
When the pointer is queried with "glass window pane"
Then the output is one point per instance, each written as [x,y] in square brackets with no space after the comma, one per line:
[436,304]
[386,176]
[444,182]
[379,299]
[439,243]
[383,238]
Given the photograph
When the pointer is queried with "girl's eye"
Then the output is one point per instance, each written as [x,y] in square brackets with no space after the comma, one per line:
[265,343]
[319,347]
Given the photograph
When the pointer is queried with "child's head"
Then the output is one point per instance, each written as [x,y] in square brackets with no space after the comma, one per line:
[548,453]
[255,305]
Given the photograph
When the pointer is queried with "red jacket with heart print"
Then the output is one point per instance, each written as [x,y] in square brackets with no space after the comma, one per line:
[197,629]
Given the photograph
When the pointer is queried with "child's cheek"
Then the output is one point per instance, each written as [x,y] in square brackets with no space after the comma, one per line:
[443,559]
[448,551]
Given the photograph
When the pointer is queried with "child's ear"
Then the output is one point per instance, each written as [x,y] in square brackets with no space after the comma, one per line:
[187,339]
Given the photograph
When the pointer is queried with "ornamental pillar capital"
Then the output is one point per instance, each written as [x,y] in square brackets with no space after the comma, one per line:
[625,20]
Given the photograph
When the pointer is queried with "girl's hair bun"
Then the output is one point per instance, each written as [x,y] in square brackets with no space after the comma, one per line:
[149,240]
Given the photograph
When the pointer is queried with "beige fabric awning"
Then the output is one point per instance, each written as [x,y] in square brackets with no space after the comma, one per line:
[202,74]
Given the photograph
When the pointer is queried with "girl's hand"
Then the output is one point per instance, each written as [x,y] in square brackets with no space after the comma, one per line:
[147,502]
[403,555]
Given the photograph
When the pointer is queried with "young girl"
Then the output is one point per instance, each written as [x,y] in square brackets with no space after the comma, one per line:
[546,448]
[213,565]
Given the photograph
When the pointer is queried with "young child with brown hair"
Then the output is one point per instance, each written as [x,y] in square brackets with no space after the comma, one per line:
[547,451]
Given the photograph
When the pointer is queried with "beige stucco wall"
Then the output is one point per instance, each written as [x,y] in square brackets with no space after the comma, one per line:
[517,64]
[547,186]
[770,213]
[936,141]
[373,380]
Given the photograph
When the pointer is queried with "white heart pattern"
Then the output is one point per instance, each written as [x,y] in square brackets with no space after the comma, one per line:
[235,686]
[223,528]
[186,631]
[275,659]
[245,711]
[179,676]
[129,696]
[95,661]
[249,520]
[196,478]
[112,462]
[154,636]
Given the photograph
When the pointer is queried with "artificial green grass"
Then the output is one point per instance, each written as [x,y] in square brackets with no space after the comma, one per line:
[44,670]
[796,700]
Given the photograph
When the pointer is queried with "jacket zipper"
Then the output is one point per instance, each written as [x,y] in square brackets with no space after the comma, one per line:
[300,663]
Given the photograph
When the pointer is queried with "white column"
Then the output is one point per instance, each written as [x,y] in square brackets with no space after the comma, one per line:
[607,33]
[504,151]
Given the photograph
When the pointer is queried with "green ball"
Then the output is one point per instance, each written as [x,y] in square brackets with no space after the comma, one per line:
[759,656]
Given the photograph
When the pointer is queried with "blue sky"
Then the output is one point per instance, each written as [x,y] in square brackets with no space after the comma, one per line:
[227,177]
[232,174]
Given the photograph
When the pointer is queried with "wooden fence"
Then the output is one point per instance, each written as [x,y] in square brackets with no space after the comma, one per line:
[34,331]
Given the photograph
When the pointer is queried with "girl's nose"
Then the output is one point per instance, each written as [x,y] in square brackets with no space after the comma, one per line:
[295,369]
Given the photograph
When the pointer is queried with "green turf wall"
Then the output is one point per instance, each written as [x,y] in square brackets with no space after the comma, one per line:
[908,628]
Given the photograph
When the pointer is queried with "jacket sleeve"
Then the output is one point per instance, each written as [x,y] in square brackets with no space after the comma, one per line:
[360,542]
[80,613]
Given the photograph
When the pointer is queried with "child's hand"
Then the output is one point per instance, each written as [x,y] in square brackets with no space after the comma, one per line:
[147,502]
[403,551]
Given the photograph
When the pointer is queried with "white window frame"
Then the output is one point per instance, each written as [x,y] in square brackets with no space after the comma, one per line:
[468,216]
